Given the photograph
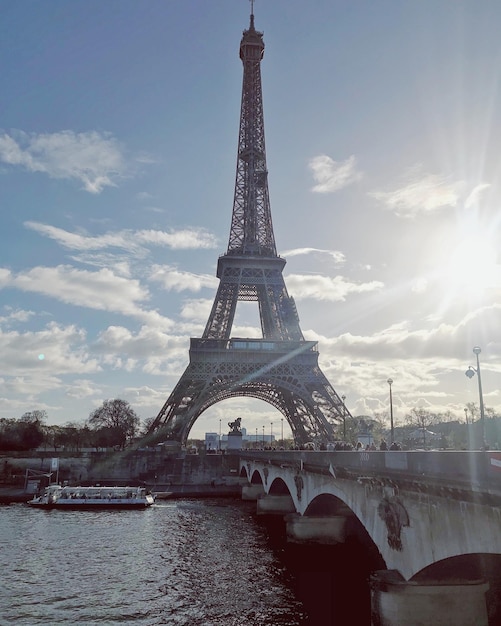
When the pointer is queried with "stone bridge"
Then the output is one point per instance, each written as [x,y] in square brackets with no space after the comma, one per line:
[435,518]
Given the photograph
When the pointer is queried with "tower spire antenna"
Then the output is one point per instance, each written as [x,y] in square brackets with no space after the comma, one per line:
[252,15]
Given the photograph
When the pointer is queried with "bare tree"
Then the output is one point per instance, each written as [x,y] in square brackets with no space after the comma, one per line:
[473,410]
[421,419]
[34,417]
[117,416]
[147,422]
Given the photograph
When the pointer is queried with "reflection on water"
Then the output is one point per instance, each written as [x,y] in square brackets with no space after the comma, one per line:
[186,562]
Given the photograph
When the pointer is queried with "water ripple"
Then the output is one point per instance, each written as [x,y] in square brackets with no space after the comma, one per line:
[186,563]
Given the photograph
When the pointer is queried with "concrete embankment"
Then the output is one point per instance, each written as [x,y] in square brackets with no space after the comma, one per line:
[12,495]
[170,474]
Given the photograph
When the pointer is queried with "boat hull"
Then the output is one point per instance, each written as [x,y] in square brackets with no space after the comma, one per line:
[90,506]
[93,498]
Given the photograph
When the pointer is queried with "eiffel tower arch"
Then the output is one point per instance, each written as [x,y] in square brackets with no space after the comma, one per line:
[282,367]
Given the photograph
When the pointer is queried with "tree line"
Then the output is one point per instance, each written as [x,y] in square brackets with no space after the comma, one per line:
[112,425]
[423,428]
[115,424]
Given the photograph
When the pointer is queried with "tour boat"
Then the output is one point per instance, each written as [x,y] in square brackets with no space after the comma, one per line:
[57,497]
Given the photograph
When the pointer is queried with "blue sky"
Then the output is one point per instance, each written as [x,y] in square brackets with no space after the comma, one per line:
[118,137]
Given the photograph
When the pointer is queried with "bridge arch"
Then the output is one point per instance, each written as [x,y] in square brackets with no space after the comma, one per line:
[256,478]
[326,504]
[465,567]
[279,488]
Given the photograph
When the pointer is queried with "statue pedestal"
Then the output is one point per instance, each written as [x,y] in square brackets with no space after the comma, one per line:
[234,441]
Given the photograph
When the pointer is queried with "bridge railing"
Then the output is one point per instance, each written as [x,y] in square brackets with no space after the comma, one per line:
[474,470]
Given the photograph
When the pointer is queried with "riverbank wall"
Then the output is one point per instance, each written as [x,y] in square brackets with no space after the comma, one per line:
[169,473]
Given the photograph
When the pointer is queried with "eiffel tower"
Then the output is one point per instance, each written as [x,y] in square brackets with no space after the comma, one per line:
[281,368]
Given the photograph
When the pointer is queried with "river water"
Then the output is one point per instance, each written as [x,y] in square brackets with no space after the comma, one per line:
[181,562]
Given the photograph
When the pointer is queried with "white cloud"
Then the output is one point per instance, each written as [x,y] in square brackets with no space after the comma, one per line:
[143,195]
[146,397]
[184,239]
[442,343]
[332,175]
[171,278]
[196,310]
[16,315]
[338,257]
[82,388]
[102,290]
[326,288]
[76,241]
[27,385]
[93,158]
[5,277]
[149,345]
[53,350]
[473,199]
[420,193]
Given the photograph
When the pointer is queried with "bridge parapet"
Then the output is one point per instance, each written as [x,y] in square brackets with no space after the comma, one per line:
[477,472]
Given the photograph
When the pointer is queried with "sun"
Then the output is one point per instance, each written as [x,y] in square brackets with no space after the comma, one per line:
[472,265]
[467,272]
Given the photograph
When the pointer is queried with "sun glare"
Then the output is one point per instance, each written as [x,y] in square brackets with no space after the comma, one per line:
[472,265]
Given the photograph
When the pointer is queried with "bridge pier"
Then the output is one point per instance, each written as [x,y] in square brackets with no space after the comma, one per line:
[274,504]
[394,601]
[315,529]
[252,492]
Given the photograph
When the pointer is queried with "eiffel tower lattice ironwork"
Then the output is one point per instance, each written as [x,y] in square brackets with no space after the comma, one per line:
[282,367]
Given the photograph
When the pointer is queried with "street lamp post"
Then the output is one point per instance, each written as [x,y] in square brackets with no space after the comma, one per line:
[256,437]
[271,434]
[470,372]
[282,431]
[343,398]
[392,431]
[263,437]
[467,427]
